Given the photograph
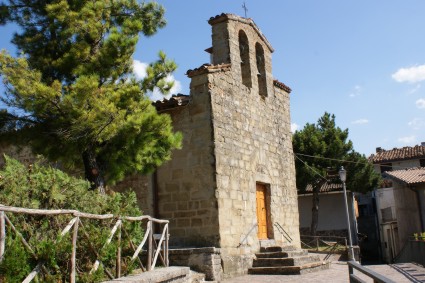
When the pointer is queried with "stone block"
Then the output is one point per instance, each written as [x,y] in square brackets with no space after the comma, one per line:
[196,222]
[170,206]
[181,196]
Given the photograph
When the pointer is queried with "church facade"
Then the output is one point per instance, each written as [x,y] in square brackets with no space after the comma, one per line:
[232,185]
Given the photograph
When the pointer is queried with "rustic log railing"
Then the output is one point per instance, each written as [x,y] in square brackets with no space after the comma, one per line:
[153,250]
[323,243]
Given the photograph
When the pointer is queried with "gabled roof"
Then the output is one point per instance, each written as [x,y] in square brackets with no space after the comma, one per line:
[408,176]
[398,154]
[224,17]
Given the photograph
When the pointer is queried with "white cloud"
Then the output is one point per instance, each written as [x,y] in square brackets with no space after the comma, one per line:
[420,103]
[417,123]
[139,69]
[407,140]
[412,74]
[356,92]
[157,95]
[294,127]
[360,121]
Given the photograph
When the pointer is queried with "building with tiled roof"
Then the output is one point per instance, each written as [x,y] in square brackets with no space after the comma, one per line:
[409,201]
[332,212]
[398,158]
[400,201]
[234,177]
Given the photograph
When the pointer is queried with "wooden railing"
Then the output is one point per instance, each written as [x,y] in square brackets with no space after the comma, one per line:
[376,277]
[328,244]
[322,243]
[154,250]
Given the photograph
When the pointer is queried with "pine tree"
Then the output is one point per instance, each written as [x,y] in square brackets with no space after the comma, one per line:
[71,95]
[322,148]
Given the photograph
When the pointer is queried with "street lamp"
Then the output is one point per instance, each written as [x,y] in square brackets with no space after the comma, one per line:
[343,177]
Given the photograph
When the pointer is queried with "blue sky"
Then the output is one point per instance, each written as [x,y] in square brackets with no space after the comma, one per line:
[363,61]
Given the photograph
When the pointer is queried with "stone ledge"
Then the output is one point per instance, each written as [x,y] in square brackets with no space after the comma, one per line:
[175,274]
[189,251]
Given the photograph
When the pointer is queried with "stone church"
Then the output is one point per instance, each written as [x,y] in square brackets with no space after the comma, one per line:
[232,185]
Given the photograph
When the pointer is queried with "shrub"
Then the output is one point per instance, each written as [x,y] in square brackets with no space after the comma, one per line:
[44,187]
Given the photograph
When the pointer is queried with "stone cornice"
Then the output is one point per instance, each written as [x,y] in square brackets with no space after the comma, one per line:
[208,68]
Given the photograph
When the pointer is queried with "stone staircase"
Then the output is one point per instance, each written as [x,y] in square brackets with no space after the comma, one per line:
[286,261]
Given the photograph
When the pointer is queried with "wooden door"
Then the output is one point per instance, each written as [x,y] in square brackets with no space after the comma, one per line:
[261,211]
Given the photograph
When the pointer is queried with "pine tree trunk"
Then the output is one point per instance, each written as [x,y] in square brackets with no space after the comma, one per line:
[93,172]
[315,211]
[315,207]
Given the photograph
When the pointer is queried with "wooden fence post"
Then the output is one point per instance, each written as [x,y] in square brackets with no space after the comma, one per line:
[74,251]
[167,263]
[150,246]
[118,264]
[2,235]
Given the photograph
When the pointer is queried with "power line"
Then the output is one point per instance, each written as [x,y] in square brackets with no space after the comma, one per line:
[346,161]
[327,158]
[311,168]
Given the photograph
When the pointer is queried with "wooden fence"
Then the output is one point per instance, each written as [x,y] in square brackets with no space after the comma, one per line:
[154,250]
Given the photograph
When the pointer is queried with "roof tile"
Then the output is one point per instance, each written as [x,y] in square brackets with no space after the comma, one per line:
[172,102]
[282,86]
[325,188]
[397,154]
[208,68]
[408,176]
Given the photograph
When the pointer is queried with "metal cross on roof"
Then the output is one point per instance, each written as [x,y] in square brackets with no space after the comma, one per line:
[245,8]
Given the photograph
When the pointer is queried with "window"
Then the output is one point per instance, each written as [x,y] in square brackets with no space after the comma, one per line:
[261,70]
[244,54]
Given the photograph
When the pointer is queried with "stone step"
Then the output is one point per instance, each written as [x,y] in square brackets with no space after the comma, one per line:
[196,277]
[281,254]
[277,249]
[267,243]
[291,261]
[286,270]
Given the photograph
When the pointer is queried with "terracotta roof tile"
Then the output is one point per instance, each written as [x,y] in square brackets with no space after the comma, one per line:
[408,176]
[326,188]
[208,68]
[172,102]
[282,86]
[396,154]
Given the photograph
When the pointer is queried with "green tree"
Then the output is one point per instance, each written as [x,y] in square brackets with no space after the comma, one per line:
[321,149]
[44,187]
[71,94]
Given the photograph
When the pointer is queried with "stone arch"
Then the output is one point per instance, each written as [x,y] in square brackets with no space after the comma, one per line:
[261,70]
[244,56]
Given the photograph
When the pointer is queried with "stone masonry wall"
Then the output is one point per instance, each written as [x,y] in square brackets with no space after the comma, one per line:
[142,186]
[187,182]
[252,145]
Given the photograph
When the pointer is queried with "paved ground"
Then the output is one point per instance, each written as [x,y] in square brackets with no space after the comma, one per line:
[400,273]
